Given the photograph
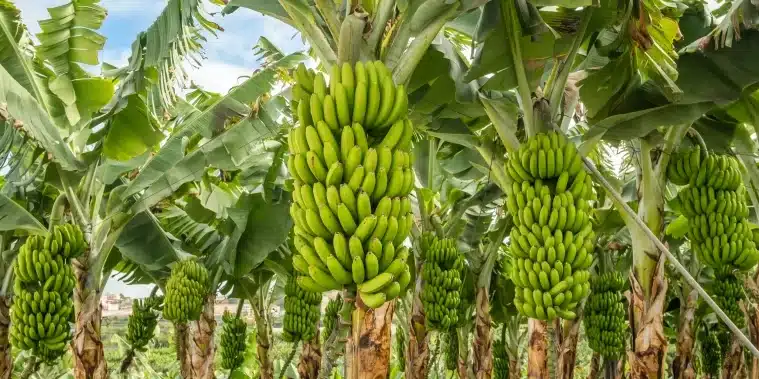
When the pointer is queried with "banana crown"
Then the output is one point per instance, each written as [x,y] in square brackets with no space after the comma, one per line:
[714,201]
[605,321]
[143,321]
[552,241]
[43,284]
[442,275]
[302,310]
[351,162]
[186,290]
[233,341]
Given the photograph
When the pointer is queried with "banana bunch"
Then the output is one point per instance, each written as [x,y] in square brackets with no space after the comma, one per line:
[711,355]
[697,169]
[729,291]
[233,337]
[186,290]
[351,163]
[451,349]
[715,204]
[331,315]
[302,309]
[362,94]
[441,273]
[552,240]
[142,321]
[605,323]
[43,284]
[500,360]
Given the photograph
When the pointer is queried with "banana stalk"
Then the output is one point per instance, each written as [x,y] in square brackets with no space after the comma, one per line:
[483,341]
[734,362]
[595,362]
[263,339]
[567,337]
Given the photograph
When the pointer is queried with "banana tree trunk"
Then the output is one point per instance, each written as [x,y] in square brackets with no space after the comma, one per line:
[367,353]
[181,331]
[462,364]
[263,341]
[199,350]
[515,369]
[734,363]
[567,345]
[683,366]
[595,364]
[418,350]
[310,358]
[87,346]
[648,356]
[753,327]
[6,360]
[483,341]
[537,358]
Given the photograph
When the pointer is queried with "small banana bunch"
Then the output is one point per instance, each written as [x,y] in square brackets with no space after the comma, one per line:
[233,337]
[441,272]
[711,355]
[697,169]
[142,321]
[302,309]
[500,360]
[605,323]
[43,287]
[715,204]
[552,240]
[331,315]
[351,163]
[186,291]
[452,349]
[730,292]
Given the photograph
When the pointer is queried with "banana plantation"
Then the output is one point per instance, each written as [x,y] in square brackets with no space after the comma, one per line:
[429,189]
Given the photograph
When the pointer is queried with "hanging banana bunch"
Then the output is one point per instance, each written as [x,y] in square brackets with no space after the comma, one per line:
[143,321]
[43,286]
[500,360]
[715,205]
[351,161]
[605,323]
[302,310]
[233,341]
[711,355]
[442,274]
[552,238]
[186,290]
[331,315]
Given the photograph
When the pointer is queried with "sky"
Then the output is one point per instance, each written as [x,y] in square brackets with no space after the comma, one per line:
[229,55]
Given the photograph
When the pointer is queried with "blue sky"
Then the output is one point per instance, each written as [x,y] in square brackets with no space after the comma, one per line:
[228,56]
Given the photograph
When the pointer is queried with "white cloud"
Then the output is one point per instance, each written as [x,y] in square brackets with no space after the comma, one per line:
[218,76]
